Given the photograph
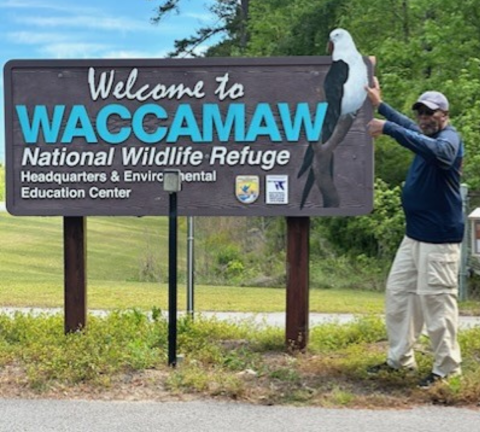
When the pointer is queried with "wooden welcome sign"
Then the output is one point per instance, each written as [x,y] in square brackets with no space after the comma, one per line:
[93,137]
[251,137]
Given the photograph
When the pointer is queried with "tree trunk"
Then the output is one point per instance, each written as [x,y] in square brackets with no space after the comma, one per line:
[243,23]
[406,21]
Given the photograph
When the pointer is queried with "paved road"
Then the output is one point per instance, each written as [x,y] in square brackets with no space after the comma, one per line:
[83,416]
[271,319]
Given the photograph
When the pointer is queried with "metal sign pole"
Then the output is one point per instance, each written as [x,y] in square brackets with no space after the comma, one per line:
[172,281]
[463,273]
[172,184]
[190,265]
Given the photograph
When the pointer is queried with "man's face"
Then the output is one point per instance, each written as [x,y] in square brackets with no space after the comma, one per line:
[430,121]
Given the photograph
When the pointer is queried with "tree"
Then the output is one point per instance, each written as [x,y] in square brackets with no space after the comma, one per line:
[423,45]
[419,45]
[232,23]
[285,27]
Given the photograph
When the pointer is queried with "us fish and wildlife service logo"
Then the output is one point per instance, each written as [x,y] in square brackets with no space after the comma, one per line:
[247,188]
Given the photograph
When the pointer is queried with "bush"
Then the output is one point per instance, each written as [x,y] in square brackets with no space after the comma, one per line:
[375,235]
[241,251]
[345,272]
[120,342]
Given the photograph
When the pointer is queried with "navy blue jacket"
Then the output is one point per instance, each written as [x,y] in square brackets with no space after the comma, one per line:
[431,196]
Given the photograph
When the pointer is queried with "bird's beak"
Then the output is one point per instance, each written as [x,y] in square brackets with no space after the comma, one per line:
[329,47]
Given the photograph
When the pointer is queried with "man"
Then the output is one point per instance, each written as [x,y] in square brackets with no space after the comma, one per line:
[422,284]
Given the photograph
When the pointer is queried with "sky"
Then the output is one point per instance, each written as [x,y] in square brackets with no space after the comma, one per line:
[88,29]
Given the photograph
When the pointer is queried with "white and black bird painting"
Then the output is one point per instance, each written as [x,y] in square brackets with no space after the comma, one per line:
[345,93]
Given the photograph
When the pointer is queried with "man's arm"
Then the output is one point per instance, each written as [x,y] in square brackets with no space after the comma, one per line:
[442,150]
[395,117]
[374,94]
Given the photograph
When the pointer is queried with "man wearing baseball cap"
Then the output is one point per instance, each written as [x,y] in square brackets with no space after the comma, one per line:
[422,285]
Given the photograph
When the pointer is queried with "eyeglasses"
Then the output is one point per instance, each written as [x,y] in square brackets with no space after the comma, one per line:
[425,111]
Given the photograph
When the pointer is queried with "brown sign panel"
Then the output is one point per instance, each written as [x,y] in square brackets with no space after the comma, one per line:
[93,137]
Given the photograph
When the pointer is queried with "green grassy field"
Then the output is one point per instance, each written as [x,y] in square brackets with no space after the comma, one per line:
[2,183]
[118,248]
[120,252]
[124,256]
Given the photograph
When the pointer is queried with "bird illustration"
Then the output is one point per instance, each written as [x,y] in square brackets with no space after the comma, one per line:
[345,93]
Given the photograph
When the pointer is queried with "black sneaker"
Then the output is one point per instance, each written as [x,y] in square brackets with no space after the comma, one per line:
[382,367]
[430,380]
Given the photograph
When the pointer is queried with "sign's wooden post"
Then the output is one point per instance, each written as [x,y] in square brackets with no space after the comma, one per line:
[75,245]
[297,282]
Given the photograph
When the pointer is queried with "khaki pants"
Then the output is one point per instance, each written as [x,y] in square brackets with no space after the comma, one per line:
[422,289]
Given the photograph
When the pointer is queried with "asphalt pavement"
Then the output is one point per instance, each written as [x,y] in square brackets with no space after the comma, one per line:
[17,415]
[275,319]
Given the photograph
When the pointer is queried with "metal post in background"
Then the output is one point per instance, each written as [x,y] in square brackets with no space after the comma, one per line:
[190,265]
[463,273]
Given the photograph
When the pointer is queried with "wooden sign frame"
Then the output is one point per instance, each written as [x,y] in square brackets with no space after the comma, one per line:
[92,137]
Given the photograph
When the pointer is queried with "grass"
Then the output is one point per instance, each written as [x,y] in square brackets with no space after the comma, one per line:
[123,255]
[123,356]
[2,183]
[119,249]
[144,296]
